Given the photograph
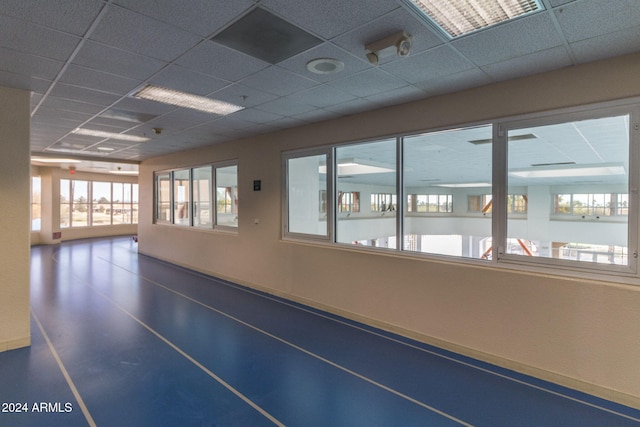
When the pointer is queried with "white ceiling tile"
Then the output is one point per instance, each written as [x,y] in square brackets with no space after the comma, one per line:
[321,96]
[586,19]
[243,95]
[218,61]
[187,80]
[534,63]
[70,16]
[329,18]
[522,36]
[606,46]
[97,80]
[368,83]
[285,107]
[448,83]
[25,37]
[137,33]
[14,61]
[278,81]
[66,91]
[440,61]
[117,61]
[189,15]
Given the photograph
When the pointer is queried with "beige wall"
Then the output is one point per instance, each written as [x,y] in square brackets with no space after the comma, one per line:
[15,219]
[584,334]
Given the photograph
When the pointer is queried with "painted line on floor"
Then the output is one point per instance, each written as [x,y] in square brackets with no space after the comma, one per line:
[282,340]
[434,353]
[72,386]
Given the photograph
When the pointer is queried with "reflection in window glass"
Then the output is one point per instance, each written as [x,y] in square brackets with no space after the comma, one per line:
[181,198]
[448,172]
[227,196]
[101,203]
[306,182]
[368,169]
[36,203]
[202,216]
[578,169]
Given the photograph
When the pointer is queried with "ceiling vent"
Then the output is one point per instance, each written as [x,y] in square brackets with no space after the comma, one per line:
[265,36]
[524,137]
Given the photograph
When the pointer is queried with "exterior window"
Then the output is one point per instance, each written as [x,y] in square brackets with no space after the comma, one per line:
[573,155]
[227,196]
[457,163]
[591,204]
[202,187]
[163,198]
[135,202]
[349,201]
[36,203]
[361,168]
[74,209]
[480,203]
[181,198]
[101,203]
[430,203]
[306,178]
[383,202]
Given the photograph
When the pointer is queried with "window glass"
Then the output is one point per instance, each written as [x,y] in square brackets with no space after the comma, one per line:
[36,203]
[227,196]
[134,203]
[163,198]
[202,183]
[572,174]
[101,206]
[80,203]
[369,170]
[119,205]
[65,203]
[181,198]
[449,173]
[306,184]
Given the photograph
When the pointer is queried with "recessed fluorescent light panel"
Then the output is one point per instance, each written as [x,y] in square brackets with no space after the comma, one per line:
[53,160]
[186,100]
[459,17]
[600,169]
[109,135]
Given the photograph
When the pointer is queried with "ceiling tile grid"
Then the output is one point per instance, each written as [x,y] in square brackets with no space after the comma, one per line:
[83,59]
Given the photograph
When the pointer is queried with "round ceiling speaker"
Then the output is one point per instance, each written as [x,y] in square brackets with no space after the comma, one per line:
[325,66]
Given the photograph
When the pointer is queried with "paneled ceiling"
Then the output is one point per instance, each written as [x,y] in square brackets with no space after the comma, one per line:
[83,59]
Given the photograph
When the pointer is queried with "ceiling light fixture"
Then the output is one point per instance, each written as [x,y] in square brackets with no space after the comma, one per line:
[121,172]
[598,169]
[53,160]
[186,100]
[460,17]
[109,135]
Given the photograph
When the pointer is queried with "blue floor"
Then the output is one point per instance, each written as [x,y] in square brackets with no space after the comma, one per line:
[120,339]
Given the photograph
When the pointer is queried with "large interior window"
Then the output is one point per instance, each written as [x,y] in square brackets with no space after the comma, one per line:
[202,187]
[203,196]
[367,169]
[227,196]
[443,172]
[306,212]
[550,190]
[575,174]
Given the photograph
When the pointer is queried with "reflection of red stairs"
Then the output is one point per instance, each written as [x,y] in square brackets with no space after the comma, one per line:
[524,247]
